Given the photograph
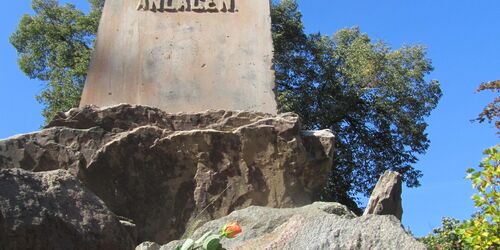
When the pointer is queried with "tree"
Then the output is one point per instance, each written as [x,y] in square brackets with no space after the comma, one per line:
[491,112]
[374,98]
[54,46]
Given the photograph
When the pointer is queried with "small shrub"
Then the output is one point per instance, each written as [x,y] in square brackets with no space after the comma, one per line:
[444,237]
[482,231]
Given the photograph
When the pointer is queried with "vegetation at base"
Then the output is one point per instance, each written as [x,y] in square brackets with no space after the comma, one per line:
[375,98]
[482,231]
[210,241]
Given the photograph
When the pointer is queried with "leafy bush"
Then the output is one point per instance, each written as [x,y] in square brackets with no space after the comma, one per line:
[482,231]
[444,237]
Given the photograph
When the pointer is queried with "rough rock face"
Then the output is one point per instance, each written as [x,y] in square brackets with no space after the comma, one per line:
[165,171]
[148,246]
[386,197]
[52,210]
[318,226]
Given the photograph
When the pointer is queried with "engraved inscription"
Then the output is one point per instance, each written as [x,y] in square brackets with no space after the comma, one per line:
[187,5]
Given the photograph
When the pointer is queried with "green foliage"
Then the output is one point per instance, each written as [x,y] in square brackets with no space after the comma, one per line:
[188,244]
[491,112]
[483,230]
[211,241]
[444,237]
[373,97]
[54,46]
[206,242]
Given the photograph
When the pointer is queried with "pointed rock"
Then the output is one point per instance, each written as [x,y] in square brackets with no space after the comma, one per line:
[386,197]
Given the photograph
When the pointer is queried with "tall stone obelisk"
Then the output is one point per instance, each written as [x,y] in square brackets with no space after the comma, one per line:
[184,55]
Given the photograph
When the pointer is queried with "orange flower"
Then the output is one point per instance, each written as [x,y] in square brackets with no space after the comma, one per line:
[230,230]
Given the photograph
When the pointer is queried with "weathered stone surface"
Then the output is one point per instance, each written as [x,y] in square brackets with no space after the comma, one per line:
[319,142]
[168,173]
[184,59]
[52,210]
[386,197]
[317,226]
[148,246]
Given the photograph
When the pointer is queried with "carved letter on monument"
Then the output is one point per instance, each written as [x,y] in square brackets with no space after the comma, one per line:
[199,5]
[211,5]
[225,5]
[153,5]
[183,55]
[181,5]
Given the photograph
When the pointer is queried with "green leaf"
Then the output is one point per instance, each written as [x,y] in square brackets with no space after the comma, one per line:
[202,239]
[188,245]
[212,243]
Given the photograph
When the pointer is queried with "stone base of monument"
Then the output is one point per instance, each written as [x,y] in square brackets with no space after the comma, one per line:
[164,174]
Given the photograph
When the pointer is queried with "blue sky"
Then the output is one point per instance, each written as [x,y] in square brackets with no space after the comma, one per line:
[462,38]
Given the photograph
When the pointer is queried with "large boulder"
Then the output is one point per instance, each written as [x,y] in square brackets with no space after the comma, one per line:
[318,226]
[386,197]
[52,210]
[170,173]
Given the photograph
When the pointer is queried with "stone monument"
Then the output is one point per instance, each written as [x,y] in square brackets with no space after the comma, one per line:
[184,55]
